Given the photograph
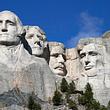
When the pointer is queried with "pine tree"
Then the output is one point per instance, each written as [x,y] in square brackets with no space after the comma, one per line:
[87,97]
[88,93]
[72,105]
[32,105]
[93,105]
[71,88]
[57,98]
[108,106]
[103,108]
[81,100]
[64,85]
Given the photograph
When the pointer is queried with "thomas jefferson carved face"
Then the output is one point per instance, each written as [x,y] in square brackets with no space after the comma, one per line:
[91,56]
[57,61]
[8,29]
[36,39]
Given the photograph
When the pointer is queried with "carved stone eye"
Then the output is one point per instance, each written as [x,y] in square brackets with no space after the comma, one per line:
[92,53]
[82,55]
[30,36]
[40,37]
[55,55]
[10,23]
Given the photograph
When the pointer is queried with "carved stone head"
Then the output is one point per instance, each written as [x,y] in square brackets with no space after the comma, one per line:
[10,28]
[36,39]
[92,55]
[57,58]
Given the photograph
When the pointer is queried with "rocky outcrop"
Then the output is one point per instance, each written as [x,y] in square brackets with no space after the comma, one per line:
[98,68]
[28,73]
[24,72]
[72,63]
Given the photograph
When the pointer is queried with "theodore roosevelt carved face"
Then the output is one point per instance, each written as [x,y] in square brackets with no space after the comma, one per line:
[57,60]
[10,28]
[36,39]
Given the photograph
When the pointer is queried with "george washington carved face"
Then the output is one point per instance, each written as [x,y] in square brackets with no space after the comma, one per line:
[9,28]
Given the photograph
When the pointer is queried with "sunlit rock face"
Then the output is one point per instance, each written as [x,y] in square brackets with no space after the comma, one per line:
[57,58]
[36,39]
[95,67]
[21,74]
[106,35]
[24,71]
[72,63]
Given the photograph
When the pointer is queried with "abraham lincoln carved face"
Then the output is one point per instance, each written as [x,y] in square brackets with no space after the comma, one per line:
[91,56]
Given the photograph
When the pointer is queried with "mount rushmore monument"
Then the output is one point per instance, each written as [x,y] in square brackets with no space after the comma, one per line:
[30,65]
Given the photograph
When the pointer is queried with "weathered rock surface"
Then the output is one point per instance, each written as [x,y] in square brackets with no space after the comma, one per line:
[23,75]
[99,76]
[72,63]
[106,35]
[26,72]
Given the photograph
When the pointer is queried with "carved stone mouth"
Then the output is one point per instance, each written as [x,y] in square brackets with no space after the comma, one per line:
[87,67]
[60,68]
[4,34]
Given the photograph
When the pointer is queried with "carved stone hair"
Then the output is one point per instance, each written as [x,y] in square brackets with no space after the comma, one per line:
[27,28]
[17,20]
[54,44]
[87,41]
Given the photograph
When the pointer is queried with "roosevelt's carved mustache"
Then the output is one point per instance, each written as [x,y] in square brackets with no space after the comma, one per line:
[60,66]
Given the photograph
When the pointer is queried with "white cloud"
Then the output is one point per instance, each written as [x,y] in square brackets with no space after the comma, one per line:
[90,26]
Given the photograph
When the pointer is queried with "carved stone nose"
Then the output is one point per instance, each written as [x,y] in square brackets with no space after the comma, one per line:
[61,59]
[39,44]
[4,30]
[87,62]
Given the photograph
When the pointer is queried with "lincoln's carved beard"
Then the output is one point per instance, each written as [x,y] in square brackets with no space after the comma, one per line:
[7,39]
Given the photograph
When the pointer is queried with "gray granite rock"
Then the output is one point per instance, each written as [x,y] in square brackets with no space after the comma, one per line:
[21,74]
[95,68]
[72,63]
[26,72]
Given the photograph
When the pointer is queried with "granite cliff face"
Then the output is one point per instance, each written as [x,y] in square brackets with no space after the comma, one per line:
[21,73]
[31,66]
[28,73]
[89,62]
[72,63]
[95,68]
